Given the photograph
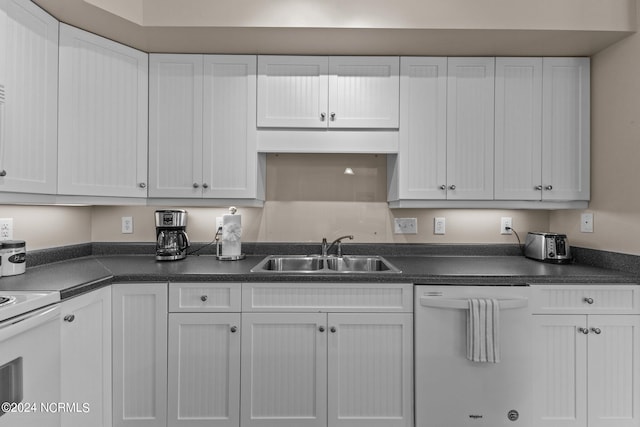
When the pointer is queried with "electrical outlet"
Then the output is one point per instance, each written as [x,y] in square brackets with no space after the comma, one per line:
[405,225]
[6,228]
[439,224]
[127,224]
[218,223]
[506,221]
[586,222]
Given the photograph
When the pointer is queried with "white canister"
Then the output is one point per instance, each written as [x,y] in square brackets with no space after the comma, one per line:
[13,257]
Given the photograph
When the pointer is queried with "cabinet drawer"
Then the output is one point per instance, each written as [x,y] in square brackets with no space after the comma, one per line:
[203,297]
[586,299]
[325,297]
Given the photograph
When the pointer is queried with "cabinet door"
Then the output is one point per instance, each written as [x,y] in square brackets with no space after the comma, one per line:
[139,354]
[28,99]
[230,154]
[518,129]
[284,370]
[566,129]
[470,112]
[204,370]
[175,125]
[560,371]
[614,371]
[364,92]
[422,154]
[86,358]
[103,116]
[370,370]
[293,91]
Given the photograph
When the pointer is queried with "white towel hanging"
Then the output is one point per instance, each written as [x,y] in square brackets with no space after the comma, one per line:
[483,330]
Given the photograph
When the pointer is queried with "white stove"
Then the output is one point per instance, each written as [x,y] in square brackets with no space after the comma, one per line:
[15,303]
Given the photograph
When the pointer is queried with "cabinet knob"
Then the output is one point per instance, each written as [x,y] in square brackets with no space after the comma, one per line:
[142,185]
[443,187]
[196,185]
[205,185]
[596,331]
[588,300]
[203,298]
[323,116]
[234,329]
[583,330]
[3,172]
[333,329]
[549,187]
[69,318]
[538,187]
[452,187]
[321,329]
[333,117]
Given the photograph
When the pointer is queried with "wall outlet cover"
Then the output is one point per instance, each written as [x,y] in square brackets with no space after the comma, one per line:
[127,225]
[506,221]
[6,228]
[439,225]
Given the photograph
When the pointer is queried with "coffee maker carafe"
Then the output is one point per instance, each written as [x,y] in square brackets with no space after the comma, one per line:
[171,236]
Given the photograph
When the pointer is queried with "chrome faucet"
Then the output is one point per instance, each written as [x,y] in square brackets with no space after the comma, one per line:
[327,247]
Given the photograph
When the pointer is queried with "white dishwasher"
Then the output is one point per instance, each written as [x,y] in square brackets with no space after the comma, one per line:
[450,389]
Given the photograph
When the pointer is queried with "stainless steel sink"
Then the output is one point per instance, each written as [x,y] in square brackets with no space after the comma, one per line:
[328,264]
[355,263]
[299,263]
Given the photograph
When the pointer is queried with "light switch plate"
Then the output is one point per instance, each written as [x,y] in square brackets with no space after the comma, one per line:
[405,225]
[586,222]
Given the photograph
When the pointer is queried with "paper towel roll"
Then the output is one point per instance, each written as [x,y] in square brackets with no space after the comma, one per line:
[231,235]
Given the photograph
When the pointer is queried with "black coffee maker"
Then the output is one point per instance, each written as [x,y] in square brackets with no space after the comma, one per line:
[172,240]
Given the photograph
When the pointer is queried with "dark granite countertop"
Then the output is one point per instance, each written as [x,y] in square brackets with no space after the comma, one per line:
[79,275]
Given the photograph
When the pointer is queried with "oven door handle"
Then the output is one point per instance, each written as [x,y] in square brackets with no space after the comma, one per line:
[463,303]
[22,323]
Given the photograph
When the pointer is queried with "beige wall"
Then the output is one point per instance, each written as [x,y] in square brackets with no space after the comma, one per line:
[615,153]
[49,226]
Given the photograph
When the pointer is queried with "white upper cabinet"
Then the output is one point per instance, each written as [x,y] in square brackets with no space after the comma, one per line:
[328,92]
[103,116]
[518,131]
[202,127]
[420,168]
[175,125]
[293,91]
[566,129]
[470,121]
[28,98]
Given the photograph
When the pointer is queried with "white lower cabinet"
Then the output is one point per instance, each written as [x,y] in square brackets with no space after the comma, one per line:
[586,365]
[86,359]
[326,366]
[204,370]
[139,324]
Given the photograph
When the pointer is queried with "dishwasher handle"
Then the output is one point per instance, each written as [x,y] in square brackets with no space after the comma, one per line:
[463,303]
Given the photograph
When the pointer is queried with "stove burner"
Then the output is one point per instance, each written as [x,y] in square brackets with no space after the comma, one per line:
[6,300]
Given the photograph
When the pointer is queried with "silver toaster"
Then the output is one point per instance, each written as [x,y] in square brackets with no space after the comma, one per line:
[547,247]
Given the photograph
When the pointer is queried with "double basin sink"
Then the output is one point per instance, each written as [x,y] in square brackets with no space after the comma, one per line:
[324,264]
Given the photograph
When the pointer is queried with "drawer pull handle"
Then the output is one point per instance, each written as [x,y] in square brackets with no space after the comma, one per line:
[583,330]
[69,318]
[588,300]
[596,331]
[234,329]
[203,298]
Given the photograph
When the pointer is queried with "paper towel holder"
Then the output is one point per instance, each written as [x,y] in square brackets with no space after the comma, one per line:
[219,250]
